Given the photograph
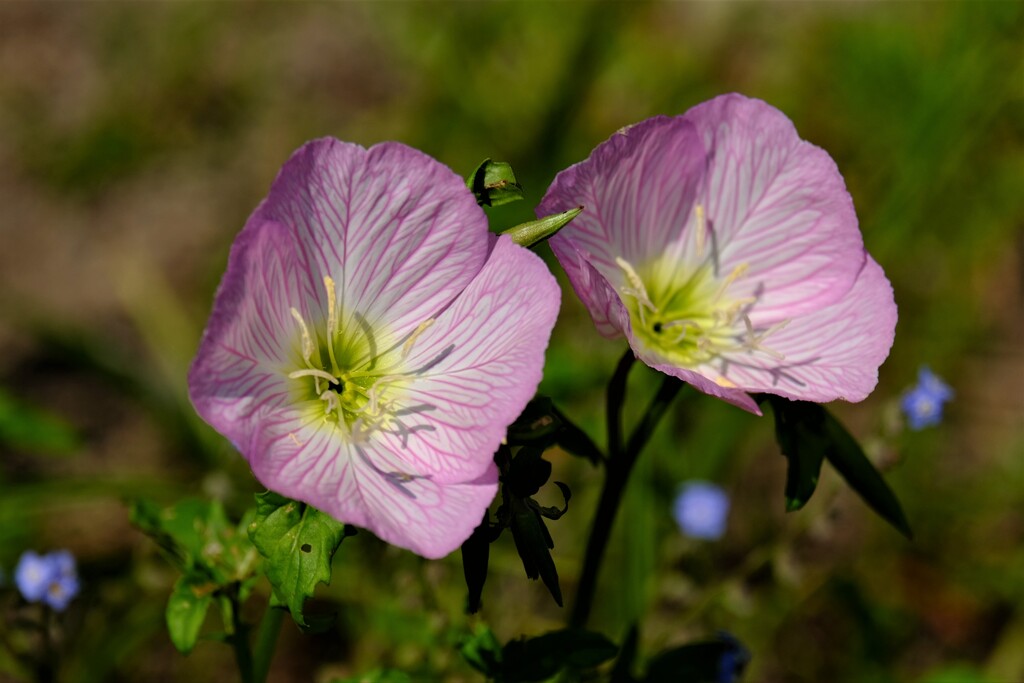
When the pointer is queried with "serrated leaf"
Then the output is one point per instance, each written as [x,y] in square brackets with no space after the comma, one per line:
[482,651]
[493,183]
[298,543]
[186,610]
[540,658]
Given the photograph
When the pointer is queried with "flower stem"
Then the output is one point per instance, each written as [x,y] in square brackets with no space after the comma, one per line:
[266,642]
[620,465]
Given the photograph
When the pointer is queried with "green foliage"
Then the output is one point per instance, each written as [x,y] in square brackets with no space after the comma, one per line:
[494,183]
[215,557]
[527,660]
[26,428]
[297,542]
[807,434]
[186,609]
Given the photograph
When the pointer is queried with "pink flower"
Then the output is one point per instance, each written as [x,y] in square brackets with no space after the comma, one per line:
[726,250]
[371,341]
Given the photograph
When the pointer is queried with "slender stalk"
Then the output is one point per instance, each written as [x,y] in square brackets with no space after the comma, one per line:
[238,635]
[266,642]
[620,465]
[616,398]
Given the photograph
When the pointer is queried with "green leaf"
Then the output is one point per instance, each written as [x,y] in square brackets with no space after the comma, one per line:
[540,658]
[476,552]
[809,433]
[197,536]
[800,434]
[298,543]
[575,441]
[527,472]
[482,651]
[26,428]
[533,543]
[849,459]
[493,183]
[537,425]
[186,610]
[534,232]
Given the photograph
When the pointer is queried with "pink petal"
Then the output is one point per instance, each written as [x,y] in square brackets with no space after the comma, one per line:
[383,224]
[478,365]
[370,486]
[597,294]
[778,204]
[637,189]
[240,370]
[833,353]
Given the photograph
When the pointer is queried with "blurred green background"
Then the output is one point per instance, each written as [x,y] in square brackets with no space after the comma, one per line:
[136,138]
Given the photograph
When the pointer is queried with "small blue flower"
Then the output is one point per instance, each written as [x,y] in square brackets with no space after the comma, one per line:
[32,575]
[701,510]
[50,578]
[923,404]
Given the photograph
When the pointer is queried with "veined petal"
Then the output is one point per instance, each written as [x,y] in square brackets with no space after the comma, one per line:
[637,189]
[830,354]
[427,517]
[395,229]
[477,366]
[777,204]
[592,287]
[700,380]
[237,375]
[369,486]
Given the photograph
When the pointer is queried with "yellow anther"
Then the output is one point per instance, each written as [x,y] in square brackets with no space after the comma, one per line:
[724,383]
[407,346]
[295,439]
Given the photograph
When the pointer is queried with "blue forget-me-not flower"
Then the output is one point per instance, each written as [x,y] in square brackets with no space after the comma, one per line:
[51,579]
[922,405]
[701,510]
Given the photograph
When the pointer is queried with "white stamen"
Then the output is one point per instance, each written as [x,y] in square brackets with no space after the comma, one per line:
[332,402]
[332,320]
[313,372]
[636,287]
[407,347]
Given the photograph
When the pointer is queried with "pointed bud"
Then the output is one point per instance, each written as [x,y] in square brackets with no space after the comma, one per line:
[535,232]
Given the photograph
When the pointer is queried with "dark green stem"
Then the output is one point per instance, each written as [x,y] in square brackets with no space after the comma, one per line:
[620,465]
[616,398]
[238,634]
[266,642]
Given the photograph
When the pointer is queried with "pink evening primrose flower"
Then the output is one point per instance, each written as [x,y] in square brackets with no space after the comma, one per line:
[726,250]
[371,341]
